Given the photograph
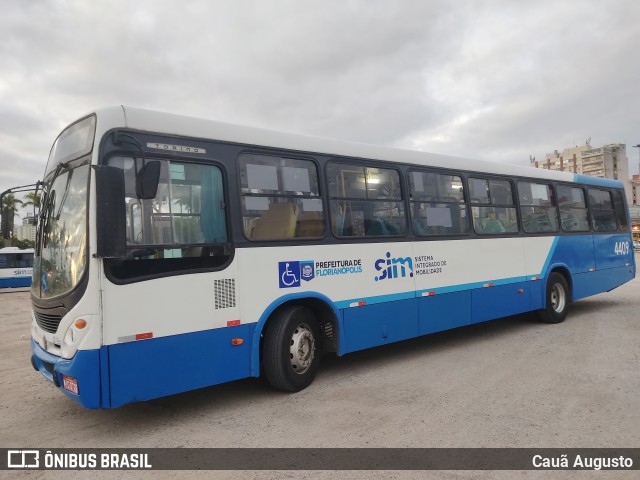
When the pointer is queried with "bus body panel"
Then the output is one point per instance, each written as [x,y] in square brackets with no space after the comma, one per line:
[613,250]
[445,311]
[190,300]
[158,367]
[381,323]
[610,278]
[489,303]
[576,252]
[592,263]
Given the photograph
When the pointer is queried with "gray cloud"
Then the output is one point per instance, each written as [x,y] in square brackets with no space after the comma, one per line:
[495,80]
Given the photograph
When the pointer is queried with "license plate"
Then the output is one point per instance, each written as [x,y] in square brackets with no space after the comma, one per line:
[70,383]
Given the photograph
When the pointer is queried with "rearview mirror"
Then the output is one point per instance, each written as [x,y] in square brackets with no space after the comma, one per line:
[147,180]
[110,212]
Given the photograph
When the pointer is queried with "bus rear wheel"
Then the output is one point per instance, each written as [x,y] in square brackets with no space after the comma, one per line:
[291,349]
[557,300]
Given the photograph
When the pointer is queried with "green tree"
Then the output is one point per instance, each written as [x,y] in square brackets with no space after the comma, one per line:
[31,199]
[9,207]
[22,244]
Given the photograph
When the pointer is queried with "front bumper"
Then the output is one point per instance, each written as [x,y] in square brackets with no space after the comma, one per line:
[84,367]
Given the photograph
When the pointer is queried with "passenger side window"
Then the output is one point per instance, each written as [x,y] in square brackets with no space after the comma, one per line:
[187,218]
[492,206]
[365,201]
[621,211]
[537,207]
[602,213]
[573,209]
[280,198]
[437,204]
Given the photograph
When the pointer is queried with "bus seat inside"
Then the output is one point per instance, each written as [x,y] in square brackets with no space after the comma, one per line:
[276,223]
[310,224]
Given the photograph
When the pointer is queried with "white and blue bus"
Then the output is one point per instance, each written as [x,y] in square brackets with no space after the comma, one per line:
[16,267]
[175,253]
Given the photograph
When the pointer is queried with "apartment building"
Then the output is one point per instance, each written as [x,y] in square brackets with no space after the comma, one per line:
[26,231]
[608,161]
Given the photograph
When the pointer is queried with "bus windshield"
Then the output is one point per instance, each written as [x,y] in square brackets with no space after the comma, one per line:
[62,238]
[74,142]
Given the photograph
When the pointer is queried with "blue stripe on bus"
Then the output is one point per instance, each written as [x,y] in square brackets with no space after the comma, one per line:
[14,282]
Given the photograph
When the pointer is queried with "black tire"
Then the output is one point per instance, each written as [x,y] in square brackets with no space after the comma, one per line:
[558,298]
[291,349]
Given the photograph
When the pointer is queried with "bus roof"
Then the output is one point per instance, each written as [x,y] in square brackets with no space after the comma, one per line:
[168,123]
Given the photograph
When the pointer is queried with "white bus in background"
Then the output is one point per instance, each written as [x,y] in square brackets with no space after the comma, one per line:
[175,253]
[16,267]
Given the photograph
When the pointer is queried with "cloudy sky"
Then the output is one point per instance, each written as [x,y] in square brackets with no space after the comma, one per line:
[496,80]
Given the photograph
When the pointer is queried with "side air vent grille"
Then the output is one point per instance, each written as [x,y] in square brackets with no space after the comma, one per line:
[49,323]
[225,293]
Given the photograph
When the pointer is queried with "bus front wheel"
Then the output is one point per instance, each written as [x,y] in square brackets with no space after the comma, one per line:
[557,297]
[291,349]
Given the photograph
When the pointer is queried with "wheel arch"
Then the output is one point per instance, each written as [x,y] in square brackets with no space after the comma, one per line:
[322,306]
[563,270]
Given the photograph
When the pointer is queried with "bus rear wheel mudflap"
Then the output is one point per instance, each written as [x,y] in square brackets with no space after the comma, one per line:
[291,348]
[557,299]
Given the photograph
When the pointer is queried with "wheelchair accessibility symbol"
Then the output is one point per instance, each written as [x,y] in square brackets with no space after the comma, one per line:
[289,274]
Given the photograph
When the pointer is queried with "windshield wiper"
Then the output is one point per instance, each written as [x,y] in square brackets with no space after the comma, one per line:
[62,166]
[46,186]
[64,196]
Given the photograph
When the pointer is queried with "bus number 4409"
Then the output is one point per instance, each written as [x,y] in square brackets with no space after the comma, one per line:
[621,248]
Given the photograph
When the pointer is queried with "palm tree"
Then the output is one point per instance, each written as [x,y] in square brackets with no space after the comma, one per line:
[9,206]
[32,198]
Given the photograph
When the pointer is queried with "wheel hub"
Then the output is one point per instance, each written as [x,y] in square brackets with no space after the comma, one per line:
[302,349]
[558,298]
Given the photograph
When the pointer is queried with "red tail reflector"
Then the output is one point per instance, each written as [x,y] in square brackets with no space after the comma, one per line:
[144,336]
[233,323]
